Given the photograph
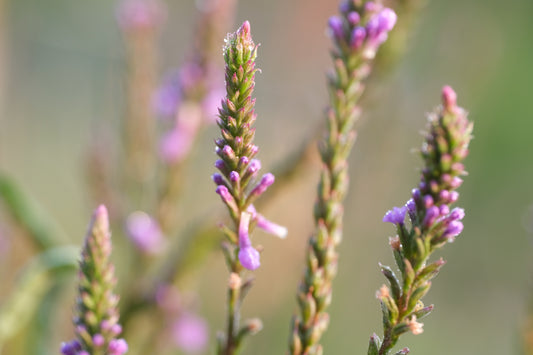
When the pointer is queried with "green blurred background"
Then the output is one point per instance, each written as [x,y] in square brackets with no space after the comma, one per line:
[63,75]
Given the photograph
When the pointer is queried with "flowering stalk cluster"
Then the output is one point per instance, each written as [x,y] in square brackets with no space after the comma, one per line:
[191,95]
[357,34]
[140,21]
[236,182]
[432,224]
[96,321]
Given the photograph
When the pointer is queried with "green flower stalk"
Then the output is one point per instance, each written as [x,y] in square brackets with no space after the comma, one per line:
[237,182]
[357,35]
[140,22]
[96,320]
[432,224]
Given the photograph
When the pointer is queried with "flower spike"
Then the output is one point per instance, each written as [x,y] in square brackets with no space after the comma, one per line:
[432,223]
[238,168]
[96,319]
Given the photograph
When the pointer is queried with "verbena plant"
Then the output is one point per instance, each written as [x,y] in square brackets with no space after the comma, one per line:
[144,203]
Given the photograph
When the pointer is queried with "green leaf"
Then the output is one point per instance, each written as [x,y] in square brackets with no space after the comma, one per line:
[393,280]
[373,345]
[36,279]
[29,215]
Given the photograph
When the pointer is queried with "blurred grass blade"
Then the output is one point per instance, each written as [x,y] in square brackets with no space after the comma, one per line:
[40,334]
[28,214]
[36,279]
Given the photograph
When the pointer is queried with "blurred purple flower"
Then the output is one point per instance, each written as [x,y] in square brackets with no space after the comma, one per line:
[117,347]
[140,14]
[144,232]
[211,103]
[176,144]
[168,298]
[190,333]
[168,96]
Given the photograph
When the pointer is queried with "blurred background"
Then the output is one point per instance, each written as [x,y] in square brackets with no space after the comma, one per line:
[62,75]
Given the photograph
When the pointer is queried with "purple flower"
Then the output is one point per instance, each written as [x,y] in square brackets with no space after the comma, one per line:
[266,225]
[396,215]
[210,104]
[248,256]
[70,348]
[227,197]
[432,214]
[428,201]
[358,37]
[444,210]
[176,144]
[144,232]
[411,206]
[98,340]
[386,19]
[117,347]
[254,167]
[354,18]
[167,97]
[336,27]
[453,230]
[377,29]
[457,214]
[190,333]
[234,177]
[266,181]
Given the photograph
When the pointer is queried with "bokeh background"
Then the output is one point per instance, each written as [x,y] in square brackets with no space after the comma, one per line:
[62,75]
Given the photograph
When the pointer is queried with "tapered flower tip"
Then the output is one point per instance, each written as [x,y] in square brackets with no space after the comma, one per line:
[100,218]
[244,31]
[240,40]
[396,215]
[449,97]
[249,257]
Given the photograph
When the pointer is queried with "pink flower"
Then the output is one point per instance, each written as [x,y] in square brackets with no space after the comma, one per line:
[190,333]
[144,232]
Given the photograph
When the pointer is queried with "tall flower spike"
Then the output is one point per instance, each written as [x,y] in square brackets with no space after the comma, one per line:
[96,319]
[433,224]
[237,182]
[191,96]
[356,34]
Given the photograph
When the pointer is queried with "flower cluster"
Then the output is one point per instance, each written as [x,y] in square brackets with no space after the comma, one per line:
[432,223]
[96,322]
[191,94]
[356,34]
[237,164]
[361,28]
[237,182]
